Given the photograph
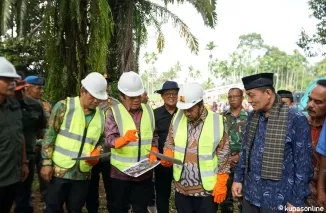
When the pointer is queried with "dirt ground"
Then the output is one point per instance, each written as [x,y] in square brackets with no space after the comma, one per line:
[38,205]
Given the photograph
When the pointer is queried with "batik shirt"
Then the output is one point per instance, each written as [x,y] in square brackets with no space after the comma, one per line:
[48,143]
[297,165]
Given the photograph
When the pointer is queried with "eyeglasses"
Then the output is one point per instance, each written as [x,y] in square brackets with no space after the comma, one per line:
[170,94]
[234,96]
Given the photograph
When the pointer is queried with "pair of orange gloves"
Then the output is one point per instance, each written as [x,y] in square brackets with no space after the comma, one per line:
[129,136]
[220,188]
[120,142]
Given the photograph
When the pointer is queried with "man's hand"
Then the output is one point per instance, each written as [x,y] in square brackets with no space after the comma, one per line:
[237,189]
[25,172]
[321,197]
[234,160]
[95,152]
[46,173]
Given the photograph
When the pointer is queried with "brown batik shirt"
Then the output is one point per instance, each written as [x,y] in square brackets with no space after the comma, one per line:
[190,182]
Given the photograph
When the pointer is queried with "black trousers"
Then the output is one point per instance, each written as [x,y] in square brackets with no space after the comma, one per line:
[7,197]
[64,191]
[92,201]
[247,207]
[190,204]
[163,180]
[152,200]
[126,193]
[24,191]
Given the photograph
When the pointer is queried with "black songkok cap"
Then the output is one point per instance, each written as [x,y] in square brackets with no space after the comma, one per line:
[285,94]
[258,81]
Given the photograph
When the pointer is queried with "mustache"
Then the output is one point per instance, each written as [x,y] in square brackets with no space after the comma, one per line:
[309,109]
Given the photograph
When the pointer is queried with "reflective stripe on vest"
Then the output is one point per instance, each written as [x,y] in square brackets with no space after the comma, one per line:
[128,155]
[70,136]
[209,139]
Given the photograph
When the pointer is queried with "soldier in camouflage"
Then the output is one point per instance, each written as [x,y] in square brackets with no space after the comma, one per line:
[234,123]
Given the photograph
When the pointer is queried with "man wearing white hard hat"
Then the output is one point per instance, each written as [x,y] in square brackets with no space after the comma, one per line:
[13,163]
[75,129]
[197,138]
[130,134]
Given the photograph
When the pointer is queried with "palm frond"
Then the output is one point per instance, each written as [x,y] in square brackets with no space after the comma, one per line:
[21,11]
[164,14]
[207,9]
[4,15]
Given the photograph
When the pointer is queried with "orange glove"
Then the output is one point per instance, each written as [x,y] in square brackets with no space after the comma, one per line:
[219,192]
[129,136]
[152,157]
[167,152]
[94,153]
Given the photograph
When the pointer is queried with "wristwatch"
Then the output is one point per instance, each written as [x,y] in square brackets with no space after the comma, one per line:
[25,162]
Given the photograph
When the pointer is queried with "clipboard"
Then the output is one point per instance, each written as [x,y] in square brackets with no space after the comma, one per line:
[167,158]
[93,157]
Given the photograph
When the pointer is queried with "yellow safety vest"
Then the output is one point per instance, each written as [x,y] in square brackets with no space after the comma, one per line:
[134,151]
[73,130]
[209,139]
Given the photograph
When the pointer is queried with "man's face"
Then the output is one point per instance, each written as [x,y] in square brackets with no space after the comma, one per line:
[89,102]
[317,102]
[144,98]
[170,97]
[194,113]
[259,99]
[7,86]
[131,103]
[35,91]
[235,98]
[288,101]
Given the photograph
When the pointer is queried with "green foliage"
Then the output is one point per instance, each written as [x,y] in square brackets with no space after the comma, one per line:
[78,33]
[314,44]
[27,56]
[254,56]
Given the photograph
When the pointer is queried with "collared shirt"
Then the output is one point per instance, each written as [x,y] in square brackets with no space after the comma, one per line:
[315,134]
[162,121]
[34,122]
[11,137]
[297,166]
[112,134]
[48,144]
[235,126]
[190,182]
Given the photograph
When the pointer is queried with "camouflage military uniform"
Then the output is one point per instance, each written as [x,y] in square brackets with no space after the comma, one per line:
[235,126]
[42,183]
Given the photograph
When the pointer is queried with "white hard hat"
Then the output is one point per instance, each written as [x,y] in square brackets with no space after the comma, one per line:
[189,95]
[130,84]
[7,69]
[96,85]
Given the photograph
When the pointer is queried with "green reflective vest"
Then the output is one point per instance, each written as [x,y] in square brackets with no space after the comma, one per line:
[209,139]
[74,128]
[134,151]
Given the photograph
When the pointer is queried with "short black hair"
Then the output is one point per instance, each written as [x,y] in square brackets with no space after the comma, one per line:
[321,82]
[266,88]
[200,103]
[236,88]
